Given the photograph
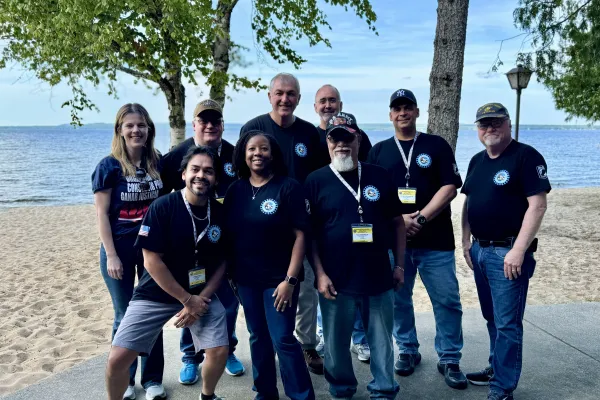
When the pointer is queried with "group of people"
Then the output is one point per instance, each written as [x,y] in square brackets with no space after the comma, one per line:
[310,226]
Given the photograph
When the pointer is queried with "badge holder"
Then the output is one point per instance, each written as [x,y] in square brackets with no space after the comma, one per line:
[197,277]
[407,195]
[362,233]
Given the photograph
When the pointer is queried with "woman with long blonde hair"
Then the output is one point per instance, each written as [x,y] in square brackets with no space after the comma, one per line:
[124,185]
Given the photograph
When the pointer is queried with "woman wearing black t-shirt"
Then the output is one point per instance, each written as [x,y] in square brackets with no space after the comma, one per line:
[124,185]
[267,221]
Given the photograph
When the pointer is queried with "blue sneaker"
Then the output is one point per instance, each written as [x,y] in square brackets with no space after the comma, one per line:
[234,366]
[188,374]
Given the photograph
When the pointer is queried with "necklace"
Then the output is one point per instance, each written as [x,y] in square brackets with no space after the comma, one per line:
[253,192]
[198,218]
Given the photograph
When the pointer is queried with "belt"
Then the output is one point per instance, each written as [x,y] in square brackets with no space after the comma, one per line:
[507,242]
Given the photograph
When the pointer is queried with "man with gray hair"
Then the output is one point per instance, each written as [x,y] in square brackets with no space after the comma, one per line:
[299,142]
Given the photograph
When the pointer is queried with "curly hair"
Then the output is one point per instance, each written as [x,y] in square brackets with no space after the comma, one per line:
[277,164]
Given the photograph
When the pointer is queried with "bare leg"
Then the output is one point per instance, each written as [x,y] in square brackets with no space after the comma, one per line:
[117,371]
[213,368]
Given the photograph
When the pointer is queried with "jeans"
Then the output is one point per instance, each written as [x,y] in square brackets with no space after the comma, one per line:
[231,304]
[438,273]
[273,331]
[358,333]
[339,316]
[503,306]
[121,292]
[306,316]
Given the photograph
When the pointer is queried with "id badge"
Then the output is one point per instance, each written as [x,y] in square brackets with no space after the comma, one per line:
[362,233]
[197,277]
[220,199]
[407,195]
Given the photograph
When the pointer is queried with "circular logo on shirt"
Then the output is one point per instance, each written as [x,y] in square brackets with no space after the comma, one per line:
[307,206]
[214,233]
[228,168]
[424,160]
[371,193]
[301,150]
[501,177]
[269,206]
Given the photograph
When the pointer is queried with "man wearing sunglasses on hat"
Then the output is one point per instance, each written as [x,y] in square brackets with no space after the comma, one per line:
[208,131]
[506,187]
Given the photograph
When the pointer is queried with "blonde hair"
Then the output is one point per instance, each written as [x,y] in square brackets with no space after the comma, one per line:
[150,157]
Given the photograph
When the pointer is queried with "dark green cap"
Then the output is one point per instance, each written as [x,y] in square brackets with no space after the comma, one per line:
[491,110]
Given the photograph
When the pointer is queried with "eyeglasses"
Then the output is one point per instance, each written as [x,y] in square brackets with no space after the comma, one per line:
[347,140]
[141,173]
[493,122]
[214,121]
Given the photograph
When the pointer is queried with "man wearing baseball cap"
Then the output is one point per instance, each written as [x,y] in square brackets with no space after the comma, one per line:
[208,131]
[426,179]
[355,215]
[506,187]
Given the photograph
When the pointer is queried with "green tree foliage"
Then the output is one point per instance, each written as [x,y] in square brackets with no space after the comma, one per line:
[565,40]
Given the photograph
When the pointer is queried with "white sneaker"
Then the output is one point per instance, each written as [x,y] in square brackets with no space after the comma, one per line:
[129,393]
[155,392]
[363,351]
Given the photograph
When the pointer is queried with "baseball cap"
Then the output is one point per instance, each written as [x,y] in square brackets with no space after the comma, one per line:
[491,110]
[403,94]
[206,105]
[342,126]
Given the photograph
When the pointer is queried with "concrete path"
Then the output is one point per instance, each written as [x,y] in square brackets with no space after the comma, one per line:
[561,361]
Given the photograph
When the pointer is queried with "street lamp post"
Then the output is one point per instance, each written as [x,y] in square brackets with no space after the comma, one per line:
[519,79]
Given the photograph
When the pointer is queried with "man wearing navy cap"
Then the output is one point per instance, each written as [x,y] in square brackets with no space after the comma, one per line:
[426,179]
[506,189]
[356,216]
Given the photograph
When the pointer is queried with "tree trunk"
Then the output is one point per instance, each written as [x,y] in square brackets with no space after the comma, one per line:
[175,93]
[447,70]
[220,50]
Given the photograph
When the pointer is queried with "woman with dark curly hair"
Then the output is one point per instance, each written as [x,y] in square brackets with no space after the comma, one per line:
[268,221]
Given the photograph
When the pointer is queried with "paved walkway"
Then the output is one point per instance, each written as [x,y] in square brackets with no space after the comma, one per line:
[561,361]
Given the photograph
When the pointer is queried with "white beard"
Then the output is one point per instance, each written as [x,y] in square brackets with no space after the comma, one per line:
[343,163]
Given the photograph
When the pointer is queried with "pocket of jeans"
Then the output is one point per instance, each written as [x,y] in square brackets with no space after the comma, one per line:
[501,251]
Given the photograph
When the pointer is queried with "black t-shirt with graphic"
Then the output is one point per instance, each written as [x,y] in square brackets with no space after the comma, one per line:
[171,163]
[325,159]
[432,166]
[497,190]
[168,230]
[354,268]
[129,199]
[299,143]
[262,229]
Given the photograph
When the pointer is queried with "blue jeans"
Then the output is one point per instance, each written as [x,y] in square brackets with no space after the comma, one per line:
[502,305]
[121,292]
[358,332]
[438,273]
[339,316]
[273,331]
[231,304]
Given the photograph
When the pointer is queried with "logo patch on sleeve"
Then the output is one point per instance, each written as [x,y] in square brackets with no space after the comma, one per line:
[144,230]
[541,170]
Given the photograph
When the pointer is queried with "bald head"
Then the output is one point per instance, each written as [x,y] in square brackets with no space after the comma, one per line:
[328,103]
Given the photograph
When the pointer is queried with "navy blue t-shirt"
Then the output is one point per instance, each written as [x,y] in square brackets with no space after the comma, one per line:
[262,229]
[129,201]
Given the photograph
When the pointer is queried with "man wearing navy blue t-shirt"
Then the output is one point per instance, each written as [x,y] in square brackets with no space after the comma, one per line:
[506,187]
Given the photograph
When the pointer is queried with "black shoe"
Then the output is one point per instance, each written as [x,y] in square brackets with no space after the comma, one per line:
[453,376]
[498,396]
[481,378]
[406,363]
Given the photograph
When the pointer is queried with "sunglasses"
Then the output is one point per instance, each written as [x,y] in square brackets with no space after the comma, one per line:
[141,173]
[494,123]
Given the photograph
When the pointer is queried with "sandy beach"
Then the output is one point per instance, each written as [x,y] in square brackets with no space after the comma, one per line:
[56,310]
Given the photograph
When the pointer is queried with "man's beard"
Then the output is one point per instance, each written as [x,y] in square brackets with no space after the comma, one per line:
[200,193]
[343,163]
[325,116]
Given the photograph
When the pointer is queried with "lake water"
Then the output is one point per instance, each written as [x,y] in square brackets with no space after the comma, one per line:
[53,165]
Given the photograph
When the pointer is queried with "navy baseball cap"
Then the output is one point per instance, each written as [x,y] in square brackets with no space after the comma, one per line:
[491,110]
[342,127]
[403,94]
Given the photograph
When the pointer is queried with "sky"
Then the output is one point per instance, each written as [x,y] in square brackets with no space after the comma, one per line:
[366,69]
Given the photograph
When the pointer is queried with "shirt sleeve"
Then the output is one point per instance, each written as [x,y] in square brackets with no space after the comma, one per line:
[372,156]
[167,172]
[534,173]
[393,205]
[152,233]
[448,168]
[465,188]
[106,175]
[311,204]
[297,206]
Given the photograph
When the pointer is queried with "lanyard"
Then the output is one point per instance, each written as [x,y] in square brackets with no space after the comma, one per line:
[187,205]
[354,192]
[408,160]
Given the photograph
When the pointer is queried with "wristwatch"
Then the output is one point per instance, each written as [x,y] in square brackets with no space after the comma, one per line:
[292,280]
[421,220]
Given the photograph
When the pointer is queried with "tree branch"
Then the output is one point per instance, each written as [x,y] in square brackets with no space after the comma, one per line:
[137,74]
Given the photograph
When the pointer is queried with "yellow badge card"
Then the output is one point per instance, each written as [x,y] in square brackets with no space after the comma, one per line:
[197,277]
[407,195]
[220,199]
[362,233]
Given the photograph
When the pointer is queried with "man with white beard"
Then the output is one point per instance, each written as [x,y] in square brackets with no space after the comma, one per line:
[356,216]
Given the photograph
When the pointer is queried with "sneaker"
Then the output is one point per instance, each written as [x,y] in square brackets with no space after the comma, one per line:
[234,366]
[155,392]
[406,363]
[129,393]
[481,378]
[215,397]
[500,396]
[188,375]
[453,375]
[321,346]
[314,362]
[363,351]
